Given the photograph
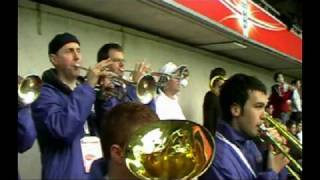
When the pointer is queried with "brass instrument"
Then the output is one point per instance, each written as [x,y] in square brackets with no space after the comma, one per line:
[146,86]
[170,149]
[294,167]
[181,73]
[28,89]
[283,131]
[212,80]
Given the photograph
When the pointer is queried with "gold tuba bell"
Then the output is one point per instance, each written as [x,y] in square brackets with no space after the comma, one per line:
[170,149]
[28,89]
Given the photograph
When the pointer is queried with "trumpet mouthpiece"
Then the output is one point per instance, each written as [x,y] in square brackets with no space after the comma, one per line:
[262,127]
[80,67]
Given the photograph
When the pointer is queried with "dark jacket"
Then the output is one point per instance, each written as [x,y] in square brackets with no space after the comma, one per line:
[211,111]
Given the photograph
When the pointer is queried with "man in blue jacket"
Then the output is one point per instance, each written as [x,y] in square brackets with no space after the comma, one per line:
[26,134]
[62,108]
[243,99]
[114,53]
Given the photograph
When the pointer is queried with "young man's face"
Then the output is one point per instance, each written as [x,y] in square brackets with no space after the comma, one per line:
[118,61]
[253,113]
[66,58]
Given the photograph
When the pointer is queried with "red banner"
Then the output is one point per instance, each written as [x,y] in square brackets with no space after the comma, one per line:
[250,20]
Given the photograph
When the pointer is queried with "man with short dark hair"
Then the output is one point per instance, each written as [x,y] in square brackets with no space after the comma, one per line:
[116,128]
[62,109]
[243,99]
[114,54]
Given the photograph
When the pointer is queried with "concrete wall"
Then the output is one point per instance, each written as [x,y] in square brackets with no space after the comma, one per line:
[37,27]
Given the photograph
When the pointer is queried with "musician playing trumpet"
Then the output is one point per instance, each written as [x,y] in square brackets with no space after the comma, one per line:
[243,99]
[62,109]
[111,93]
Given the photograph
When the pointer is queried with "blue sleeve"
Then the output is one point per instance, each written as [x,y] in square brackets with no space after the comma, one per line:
[283,174]
[132,97]
[221,173]
[267,175]
[109,104]
[152,105]
[217,174]
[26,130]
[224,166]
[63,118]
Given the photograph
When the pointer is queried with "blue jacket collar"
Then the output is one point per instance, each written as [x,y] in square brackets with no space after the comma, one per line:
[231,134]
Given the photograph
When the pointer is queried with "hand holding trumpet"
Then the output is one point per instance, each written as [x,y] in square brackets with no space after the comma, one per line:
[140,70]
[98,72]
[277,160]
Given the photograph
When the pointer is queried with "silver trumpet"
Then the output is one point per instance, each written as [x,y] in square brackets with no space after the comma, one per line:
[145,86]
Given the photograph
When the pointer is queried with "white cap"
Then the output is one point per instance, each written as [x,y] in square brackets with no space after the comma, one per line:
[169,68]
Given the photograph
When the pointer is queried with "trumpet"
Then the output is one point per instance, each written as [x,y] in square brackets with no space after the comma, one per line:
[283,131]
[170,149]
[294,167]
[181,73]
[28,89]
[145,86]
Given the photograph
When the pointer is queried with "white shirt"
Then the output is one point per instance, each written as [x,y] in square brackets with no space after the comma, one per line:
[300,136]
[168,108]
[296,102]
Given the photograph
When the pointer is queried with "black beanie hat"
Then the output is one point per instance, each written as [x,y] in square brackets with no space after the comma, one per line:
[60,40]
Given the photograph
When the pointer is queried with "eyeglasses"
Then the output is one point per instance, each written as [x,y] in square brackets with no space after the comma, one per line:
[118,60]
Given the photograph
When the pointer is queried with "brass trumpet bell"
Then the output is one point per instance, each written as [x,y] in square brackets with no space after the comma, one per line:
[28,89]
[170,149]
[146,89]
